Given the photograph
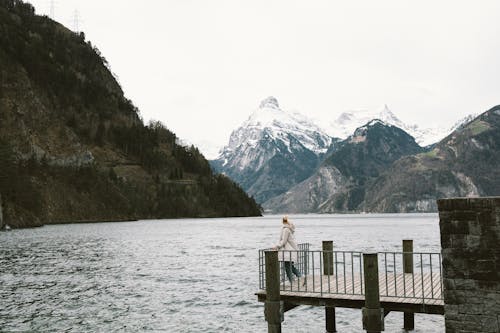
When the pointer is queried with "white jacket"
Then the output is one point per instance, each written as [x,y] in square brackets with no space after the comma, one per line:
[287,243]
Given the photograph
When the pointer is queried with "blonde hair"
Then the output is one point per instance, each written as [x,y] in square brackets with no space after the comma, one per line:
[285,219]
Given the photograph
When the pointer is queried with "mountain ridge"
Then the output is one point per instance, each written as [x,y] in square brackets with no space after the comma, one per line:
[73,148]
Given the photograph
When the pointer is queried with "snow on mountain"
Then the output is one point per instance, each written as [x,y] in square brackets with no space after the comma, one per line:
[269,123]
[463,121]
[348,121]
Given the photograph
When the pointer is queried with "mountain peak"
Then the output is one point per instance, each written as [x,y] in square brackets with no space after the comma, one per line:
[270,102]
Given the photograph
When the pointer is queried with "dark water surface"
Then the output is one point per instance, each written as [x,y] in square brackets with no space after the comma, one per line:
[187,275]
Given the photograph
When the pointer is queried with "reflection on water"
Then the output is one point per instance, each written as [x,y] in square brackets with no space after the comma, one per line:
[187,275]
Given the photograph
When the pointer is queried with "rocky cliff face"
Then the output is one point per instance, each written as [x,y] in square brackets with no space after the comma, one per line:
[73,148]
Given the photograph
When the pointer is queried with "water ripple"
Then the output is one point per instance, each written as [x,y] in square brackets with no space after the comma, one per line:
[177,275]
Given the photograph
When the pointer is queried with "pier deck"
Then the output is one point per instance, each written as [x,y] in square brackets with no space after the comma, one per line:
[347,292]
[378,283]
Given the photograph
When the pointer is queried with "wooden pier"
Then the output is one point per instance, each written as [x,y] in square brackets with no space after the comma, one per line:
[408,282]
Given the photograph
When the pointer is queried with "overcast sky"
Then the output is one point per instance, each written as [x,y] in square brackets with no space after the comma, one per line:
[202,66]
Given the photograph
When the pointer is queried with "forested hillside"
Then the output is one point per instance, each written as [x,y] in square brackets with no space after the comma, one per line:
[73,148]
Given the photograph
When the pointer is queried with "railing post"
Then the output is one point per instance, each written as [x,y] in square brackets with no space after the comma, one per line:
[328,270]
[328,257]
[273,308]
[373,314]
[409,317]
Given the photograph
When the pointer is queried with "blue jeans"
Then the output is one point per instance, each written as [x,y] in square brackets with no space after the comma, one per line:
[289,268]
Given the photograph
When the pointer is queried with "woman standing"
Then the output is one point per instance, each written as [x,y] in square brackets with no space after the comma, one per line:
[288,247]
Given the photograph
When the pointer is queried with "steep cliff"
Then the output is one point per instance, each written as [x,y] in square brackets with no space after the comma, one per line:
[73,148]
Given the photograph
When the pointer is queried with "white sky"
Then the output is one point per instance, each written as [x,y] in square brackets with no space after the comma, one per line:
[201,67]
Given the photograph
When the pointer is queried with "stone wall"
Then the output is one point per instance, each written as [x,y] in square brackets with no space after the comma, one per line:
[470,243]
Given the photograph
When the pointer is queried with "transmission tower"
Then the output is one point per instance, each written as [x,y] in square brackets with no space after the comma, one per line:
[76,21]
[52,10]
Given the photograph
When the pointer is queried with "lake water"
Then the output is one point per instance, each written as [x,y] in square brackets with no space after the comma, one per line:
[184,275]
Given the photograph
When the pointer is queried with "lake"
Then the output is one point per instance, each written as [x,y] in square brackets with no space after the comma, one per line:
[180,275]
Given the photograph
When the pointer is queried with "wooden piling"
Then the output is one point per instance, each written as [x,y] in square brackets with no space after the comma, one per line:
[328,257]
[373,314]
[331,325]
[409,317]
[273,307]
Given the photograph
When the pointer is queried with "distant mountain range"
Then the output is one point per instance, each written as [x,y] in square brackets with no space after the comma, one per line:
[347,123]
[360,163]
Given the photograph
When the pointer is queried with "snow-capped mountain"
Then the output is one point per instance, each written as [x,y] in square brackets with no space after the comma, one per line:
[348,121]
[271,124]
[272,150]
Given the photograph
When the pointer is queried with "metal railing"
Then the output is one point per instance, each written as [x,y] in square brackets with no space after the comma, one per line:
[301,262]
[401,274]
[415,275]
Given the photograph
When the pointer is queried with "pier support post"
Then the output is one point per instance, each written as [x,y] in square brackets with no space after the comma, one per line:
[331,325]
[409,317]
[273,308]
[373,314]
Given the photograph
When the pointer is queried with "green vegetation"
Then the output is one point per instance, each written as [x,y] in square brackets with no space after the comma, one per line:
[57,99]
[477,127]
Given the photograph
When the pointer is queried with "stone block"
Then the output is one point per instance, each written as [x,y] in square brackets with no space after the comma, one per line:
[468,203]
[449,284]
[472,242]
[450,297]
[451,309]
[457,242]
[486,218]
[474,228]
[491,286]
[489,324]
[454,267]
[470,309]
[485,265]
[484,275]
[491,307]
[465,284]
[451,325]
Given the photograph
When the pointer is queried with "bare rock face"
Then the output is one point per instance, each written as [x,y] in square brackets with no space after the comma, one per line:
[310,195]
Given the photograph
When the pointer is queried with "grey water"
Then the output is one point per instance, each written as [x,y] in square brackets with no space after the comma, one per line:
[180,275]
